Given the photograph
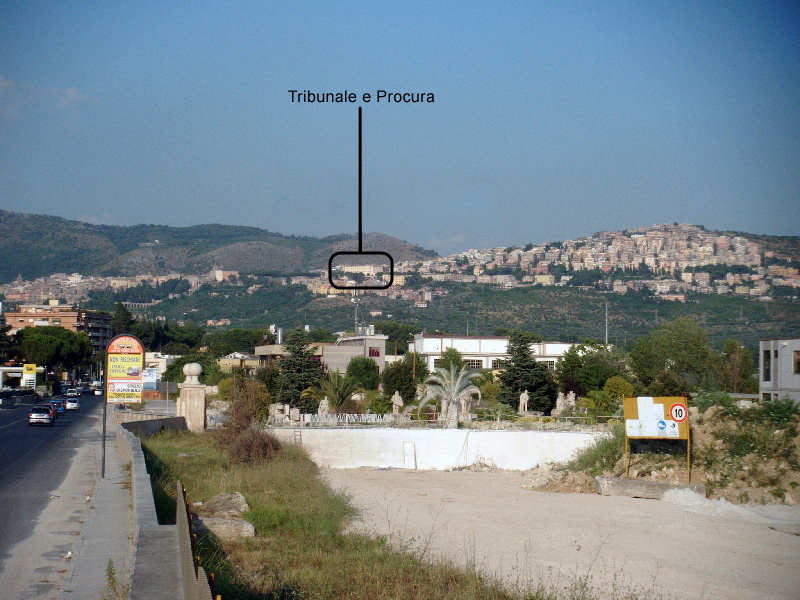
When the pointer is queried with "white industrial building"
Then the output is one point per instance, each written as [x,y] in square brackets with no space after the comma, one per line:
[482,352]
[779,369]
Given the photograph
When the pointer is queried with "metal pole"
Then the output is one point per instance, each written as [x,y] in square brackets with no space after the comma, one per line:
[103,461]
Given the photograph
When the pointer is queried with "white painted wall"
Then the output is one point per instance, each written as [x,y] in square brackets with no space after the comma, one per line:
[436,449]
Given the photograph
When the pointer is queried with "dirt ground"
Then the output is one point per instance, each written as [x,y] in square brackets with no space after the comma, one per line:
[683,547]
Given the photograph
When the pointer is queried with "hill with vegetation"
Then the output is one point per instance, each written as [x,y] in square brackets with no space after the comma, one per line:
[563,313]
[38,245]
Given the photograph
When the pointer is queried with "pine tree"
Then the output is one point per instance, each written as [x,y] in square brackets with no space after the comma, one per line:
[299,370]
[523,372]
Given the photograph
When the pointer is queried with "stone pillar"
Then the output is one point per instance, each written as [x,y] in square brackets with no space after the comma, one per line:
[192,399]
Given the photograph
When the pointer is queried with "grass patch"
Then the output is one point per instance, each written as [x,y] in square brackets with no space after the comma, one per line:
[601,455]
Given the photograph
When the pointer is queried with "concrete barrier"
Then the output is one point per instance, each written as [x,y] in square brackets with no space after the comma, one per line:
[160,551]
[435,449]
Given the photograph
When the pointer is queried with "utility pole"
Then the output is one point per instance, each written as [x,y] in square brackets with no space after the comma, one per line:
[606,323]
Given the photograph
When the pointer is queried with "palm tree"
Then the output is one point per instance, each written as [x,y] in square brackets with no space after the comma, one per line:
[452,386]
[339,389]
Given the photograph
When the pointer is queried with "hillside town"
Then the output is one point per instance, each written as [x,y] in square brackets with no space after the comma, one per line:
[666,261]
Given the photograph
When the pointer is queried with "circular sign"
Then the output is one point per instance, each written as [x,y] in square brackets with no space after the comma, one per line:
[678,412]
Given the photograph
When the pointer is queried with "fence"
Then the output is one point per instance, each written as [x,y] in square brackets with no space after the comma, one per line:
[196,584]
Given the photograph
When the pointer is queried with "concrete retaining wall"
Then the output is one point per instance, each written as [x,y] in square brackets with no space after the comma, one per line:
[435,449]
[160,555]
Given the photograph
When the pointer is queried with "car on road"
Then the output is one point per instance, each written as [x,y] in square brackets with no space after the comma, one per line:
[41,415]
[98,392]
[73,404]
[72,393]
[58,405]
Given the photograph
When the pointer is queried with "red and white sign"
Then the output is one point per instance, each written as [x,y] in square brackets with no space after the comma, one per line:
[678,412]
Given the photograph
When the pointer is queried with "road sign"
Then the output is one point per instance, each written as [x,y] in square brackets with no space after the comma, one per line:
[678,412]
[660,418]
[653,418]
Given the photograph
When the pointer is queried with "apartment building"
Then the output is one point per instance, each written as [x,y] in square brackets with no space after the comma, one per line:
[97,325]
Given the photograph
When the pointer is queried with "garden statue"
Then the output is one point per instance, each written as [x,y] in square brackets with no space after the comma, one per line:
[397,402]
[523,402]
[324,407]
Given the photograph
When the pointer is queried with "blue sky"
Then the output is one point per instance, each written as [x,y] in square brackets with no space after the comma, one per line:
[551,120]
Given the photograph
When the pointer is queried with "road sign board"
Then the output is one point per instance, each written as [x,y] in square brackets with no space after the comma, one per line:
[678,412]
[649,417]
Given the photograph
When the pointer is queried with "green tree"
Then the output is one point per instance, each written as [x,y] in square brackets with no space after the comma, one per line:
[299,370]
[451,358]
[617,388]
[680,346]
[736,369]
[365,371]
[211,374]
[123,320]
[568,371]
[451,387]
[397,377]
[398,334]
[523,372]
[337,388]
[8,345]
[54,346]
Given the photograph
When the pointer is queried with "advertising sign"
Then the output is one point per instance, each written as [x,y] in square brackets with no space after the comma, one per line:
[660,418]
[124,365]
[29,376]
[150,378]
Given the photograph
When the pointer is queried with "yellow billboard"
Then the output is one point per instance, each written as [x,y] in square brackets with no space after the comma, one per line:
[124,366]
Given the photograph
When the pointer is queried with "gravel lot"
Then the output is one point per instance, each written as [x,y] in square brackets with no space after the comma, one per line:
[688,547]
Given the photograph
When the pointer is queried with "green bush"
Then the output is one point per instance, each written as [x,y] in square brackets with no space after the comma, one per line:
[602,455]
[779,411]
[705,400]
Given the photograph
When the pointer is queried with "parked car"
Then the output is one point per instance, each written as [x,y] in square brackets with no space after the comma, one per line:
[72,393]
[58,405]
[41,415]
[73,404]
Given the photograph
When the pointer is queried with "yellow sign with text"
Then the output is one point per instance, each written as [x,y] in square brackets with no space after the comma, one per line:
[124,367]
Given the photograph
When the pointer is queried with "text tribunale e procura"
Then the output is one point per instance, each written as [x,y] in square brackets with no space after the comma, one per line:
[345,96]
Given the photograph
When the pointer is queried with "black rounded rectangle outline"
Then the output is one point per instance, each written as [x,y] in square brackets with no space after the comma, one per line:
[360,287]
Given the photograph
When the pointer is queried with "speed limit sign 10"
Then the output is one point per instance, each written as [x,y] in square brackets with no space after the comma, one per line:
[678,412]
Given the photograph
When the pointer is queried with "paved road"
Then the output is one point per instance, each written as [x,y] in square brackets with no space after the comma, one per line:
[34,465]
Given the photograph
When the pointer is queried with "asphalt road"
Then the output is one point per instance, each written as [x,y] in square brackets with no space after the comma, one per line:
[34,461]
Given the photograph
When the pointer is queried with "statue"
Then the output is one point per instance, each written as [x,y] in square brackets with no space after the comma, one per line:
[397,402]
[324,407]
[523,402]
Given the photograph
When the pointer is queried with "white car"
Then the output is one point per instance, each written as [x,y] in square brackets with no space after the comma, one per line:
[98,392]
[72,393]
[73,404]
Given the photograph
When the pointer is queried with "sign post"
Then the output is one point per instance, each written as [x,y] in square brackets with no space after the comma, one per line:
[657,418]
[123,381]
[29,376]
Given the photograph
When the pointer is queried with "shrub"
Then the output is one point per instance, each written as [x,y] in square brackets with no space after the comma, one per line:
[779,411]
[253,446]
[706,400]
[603,454]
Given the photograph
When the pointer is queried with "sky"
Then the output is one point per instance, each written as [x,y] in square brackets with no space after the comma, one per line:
[550,120]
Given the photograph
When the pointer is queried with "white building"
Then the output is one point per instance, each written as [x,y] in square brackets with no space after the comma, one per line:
[482,352]
[779,369]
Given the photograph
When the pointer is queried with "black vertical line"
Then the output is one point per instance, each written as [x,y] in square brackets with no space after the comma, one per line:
[360,230]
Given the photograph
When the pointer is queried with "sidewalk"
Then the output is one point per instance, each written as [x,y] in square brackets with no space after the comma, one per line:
[107,533]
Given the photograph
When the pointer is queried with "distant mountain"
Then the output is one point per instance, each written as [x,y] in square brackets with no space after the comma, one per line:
[37,245]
